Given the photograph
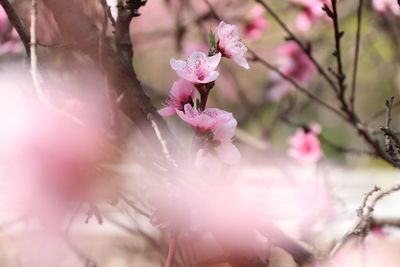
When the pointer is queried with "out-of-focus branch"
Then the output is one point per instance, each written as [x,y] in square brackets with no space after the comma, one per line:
[338,35]
[133,101]
[305,47]
[18,25]
[364,213]
[361,227]
[392,142]
[356,54]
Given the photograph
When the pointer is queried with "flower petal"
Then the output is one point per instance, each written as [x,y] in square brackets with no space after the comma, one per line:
[167,111]
[228,153]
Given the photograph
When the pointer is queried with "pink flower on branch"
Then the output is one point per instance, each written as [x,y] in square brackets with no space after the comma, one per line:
[386,6]
[216,129]
[204,121]
[305,146]
[311,12]
[257,23]
[230,45]
[198,68]
[181,93]
[295,64]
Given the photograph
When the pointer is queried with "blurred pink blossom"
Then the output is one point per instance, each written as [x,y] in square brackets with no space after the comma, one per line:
[198,68]
[181,93]
[204,121]
[220,147]
[230,45]
[190,47]
[257,23]
[305,146]
[293,63]
[386,6]
[217,127]
[311,12]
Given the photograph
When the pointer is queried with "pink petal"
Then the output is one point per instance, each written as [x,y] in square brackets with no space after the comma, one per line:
[228,153]
[242,61]
[167,111]
[212,76]
[213,61]
[177,64]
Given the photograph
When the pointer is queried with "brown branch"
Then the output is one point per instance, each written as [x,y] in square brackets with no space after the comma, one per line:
[364,212]
[297,86]
[305,47]
[356,55]
[18,25]
[122,77]
[338,35]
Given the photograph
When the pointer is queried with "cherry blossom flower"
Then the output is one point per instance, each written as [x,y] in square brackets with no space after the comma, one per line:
[220,148]
[198,68]
[205,121]
[230,45]
[386,6]
[293,63]
[257,23]
[311,12]
[181,93]
[218,128]
[305,145]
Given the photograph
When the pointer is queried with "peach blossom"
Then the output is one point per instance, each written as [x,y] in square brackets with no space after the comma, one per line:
[293,63]
[230,45]
[305,146]
[198,68]
[257,23]
[181,93]
[386,6]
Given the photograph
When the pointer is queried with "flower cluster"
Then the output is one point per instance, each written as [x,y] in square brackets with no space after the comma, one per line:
[230,45]
[310,13]
[256,23]
[305,146]
[386,6]
[295,64]
[214,127]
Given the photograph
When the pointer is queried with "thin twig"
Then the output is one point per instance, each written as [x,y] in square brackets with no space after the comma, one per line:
[108,13]
[359,226]
[319,101]
[305,47]
[18,25]
[35,74]
[338,34]
[356,55]
[171,252]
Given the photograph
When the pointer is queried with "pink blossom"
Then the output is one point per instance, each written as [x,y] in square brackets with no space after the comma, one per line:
[198,68]
[305,145]
[386,6]
[218,127]
[311,12]
[181,93]
[230,45]
[257,23]
[293,63]
[204,121]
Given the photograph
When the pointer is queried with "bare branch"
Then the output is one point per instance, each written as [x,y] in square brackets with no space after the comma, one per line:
[18,25]
[356,55]
[305,47]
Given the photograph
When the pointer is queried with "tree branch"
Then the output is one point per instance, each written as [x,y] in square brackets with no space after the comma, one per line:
[18,25]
